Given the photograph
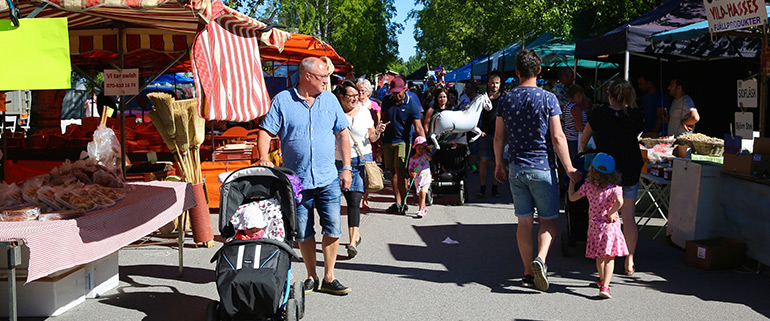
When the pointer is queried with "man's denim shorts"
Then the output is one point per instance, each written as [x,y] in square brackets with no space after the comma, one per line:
[631,191]
[326,201]
[532,188]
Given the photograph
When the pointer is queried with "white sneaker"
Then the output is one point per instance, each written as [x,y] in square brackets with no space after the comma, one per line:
[422,213]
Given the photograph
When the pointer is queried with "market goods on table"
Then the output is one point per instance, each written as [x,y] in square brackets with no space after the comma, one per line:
[68,191]
[702,144]
[651,142]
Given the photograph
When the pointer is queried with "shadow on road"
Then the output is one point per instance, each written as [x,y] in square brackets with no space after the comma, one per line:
[170,272]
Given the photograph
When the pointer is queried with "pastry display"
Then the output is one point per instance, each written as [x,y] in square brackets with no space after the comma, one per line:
[67,191]
[20,213]
[60,215]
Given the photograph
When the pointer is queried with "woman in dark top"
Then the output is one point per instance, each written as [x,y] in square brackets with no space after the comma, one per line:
[615,129]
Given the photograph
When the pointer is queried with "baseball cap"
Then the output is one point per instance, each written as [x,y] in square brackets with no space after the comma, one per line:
[397,85]
[603,163]
[420,141]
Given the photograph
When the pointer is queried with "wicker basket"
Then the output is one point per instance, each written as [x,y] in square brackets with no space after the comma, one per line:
[709,149]
[652,142]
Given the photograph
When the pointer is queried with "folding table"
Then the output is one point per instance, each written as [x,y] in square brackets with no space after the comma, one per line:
[658,191]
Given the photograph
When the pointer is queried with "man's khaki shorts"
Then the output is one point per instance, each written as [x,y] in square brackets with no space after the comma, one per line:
[394,155]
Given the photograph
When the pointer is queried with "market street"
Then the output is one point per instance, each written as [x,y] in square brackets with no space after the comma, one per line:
[404,272]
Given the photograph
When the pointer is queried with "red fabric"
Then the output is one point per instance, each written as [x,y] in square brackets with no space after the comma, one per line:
[19,171]
[58,245]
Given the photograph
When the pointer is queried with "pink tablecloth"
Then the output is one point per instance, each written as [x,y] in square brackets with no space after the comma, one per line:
[58,245]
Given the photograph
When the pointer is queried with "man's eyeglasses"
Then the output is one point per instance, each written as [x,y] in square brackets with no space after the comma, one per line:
[317,76]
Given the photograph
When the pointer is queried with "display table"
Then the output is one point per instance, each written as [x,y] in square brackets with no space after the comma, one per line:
[658,190]
[59,245]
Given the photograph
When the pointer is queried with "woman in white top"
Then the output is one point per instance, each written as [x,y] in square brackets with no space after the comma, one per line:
[364,92]
[363,131]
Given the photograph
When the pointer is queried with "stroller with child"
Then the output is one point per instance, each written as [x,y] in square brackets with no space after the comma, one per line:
[577,212]
[449,168]
[253,275]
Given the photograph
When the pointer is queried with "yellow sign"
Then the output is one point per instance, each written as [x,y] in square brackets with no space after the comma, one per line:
[35,55]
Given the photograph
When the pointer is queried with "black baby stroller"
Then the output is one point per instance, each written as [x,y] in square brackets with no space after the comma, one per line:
[253,276]
[449,168]
[577,212]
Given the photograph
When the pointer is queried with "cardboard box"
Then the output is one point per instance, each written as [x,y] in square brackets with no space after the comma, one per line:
[714,254]
[737,163]
[49,296]
[761,145]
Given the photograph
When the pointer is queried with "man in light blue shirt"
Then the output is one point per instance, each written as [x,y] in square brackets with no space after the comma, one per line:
[310,122]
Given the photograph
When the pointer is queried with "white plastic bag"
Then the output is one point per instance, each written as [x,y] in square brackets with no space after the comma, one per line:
[105,148]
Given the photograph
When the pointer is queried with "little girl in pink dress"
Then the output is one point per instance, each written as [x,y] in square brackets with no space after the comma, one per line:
[605,238]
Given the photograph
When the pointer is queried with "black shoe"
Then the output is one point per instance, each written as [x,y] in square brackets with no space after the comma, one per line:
[495,193]
[310,286]
[393,209]
[528,281]
[352,251]
[541,271]
[359,241]
[335,287]
[402,210]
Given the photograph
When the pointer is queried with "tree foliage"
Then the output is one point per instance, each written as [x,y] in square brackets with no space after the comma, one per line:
[361,31]
[451,33]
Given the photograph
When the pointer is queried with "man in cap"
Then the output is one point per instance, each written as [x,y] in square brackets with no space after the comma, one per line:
[403,111]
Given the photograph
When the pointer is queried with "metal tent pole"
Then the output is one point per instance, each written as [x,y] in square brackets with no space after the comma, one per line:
[627,64]
[122,108]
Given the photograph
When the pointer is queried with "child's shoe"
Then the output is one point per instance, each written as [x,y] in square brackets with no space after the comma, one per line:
[604,292]
[421,213]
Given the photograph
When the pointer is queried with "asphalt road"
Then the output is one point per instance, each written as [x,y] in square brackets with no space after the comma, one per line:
[404,272]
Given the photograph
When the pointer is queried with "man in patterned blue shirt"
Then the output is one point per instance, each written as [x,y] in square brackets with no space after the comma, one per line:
[310,121]
[528,122]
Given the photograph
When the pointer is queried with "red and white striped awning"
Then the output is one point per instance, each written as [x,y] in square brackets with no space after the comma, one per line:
[227,66]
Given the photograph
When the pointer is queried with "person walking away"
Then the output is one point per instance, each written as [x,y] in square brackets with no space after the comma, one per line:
[310,122]
[605,239]
[683,115]
[364,92]
[419,171]
[526,116]
[574,118]
[362,134]
[654,106]
[615,129]
[401,110]
[485,142]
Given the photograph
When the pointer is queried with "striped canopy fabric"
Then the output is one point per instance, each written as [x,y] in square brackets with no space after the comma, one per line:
[227,66]
[302,46]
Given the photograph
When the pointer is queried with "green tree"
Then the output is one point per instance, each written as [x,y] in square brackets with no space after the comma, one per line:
[452,32]
[361,31]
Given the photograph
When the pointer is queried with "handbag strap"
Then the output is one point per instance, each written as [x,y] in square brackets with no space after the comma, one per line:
[355,143]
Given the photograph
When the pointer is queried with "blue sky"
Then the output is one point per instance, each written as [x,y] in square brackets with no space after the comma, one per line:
[406,40]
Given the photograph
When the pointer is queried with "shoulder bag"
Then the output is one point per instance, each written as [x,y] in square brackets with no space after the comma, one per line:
[374,178]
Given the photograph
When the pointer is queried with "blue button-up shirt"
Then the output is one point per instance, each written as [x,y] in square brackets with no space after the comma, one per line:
[307,134]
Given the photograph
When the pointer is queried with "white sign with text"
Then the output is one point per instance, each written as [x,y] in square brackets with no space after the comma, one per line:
[121,83]
[744,125]
[747,93]
[725,15]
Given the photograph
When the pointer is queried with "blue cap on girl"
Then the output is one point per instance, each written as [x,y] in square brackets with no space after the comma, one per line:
[603,163]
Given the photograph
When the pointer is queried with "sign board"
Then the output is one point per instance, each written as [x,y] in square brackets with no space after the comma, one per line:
[744,125]
[747,93]
[35,55]
[121,83]
[725,15]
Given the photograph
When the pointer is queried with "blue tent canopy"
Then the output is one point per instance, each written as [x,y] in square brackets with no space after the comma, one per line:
[688,32]
[633,36]
[463,73]
[177,78]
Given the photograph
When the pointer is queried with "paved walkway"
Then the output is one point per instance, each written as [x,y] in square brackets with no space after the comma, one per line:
[404,272]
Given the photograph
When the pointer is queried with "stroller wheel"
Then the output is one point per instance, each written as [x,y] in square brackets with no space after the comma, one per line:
[291,310]
[212,311]
[298,293]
